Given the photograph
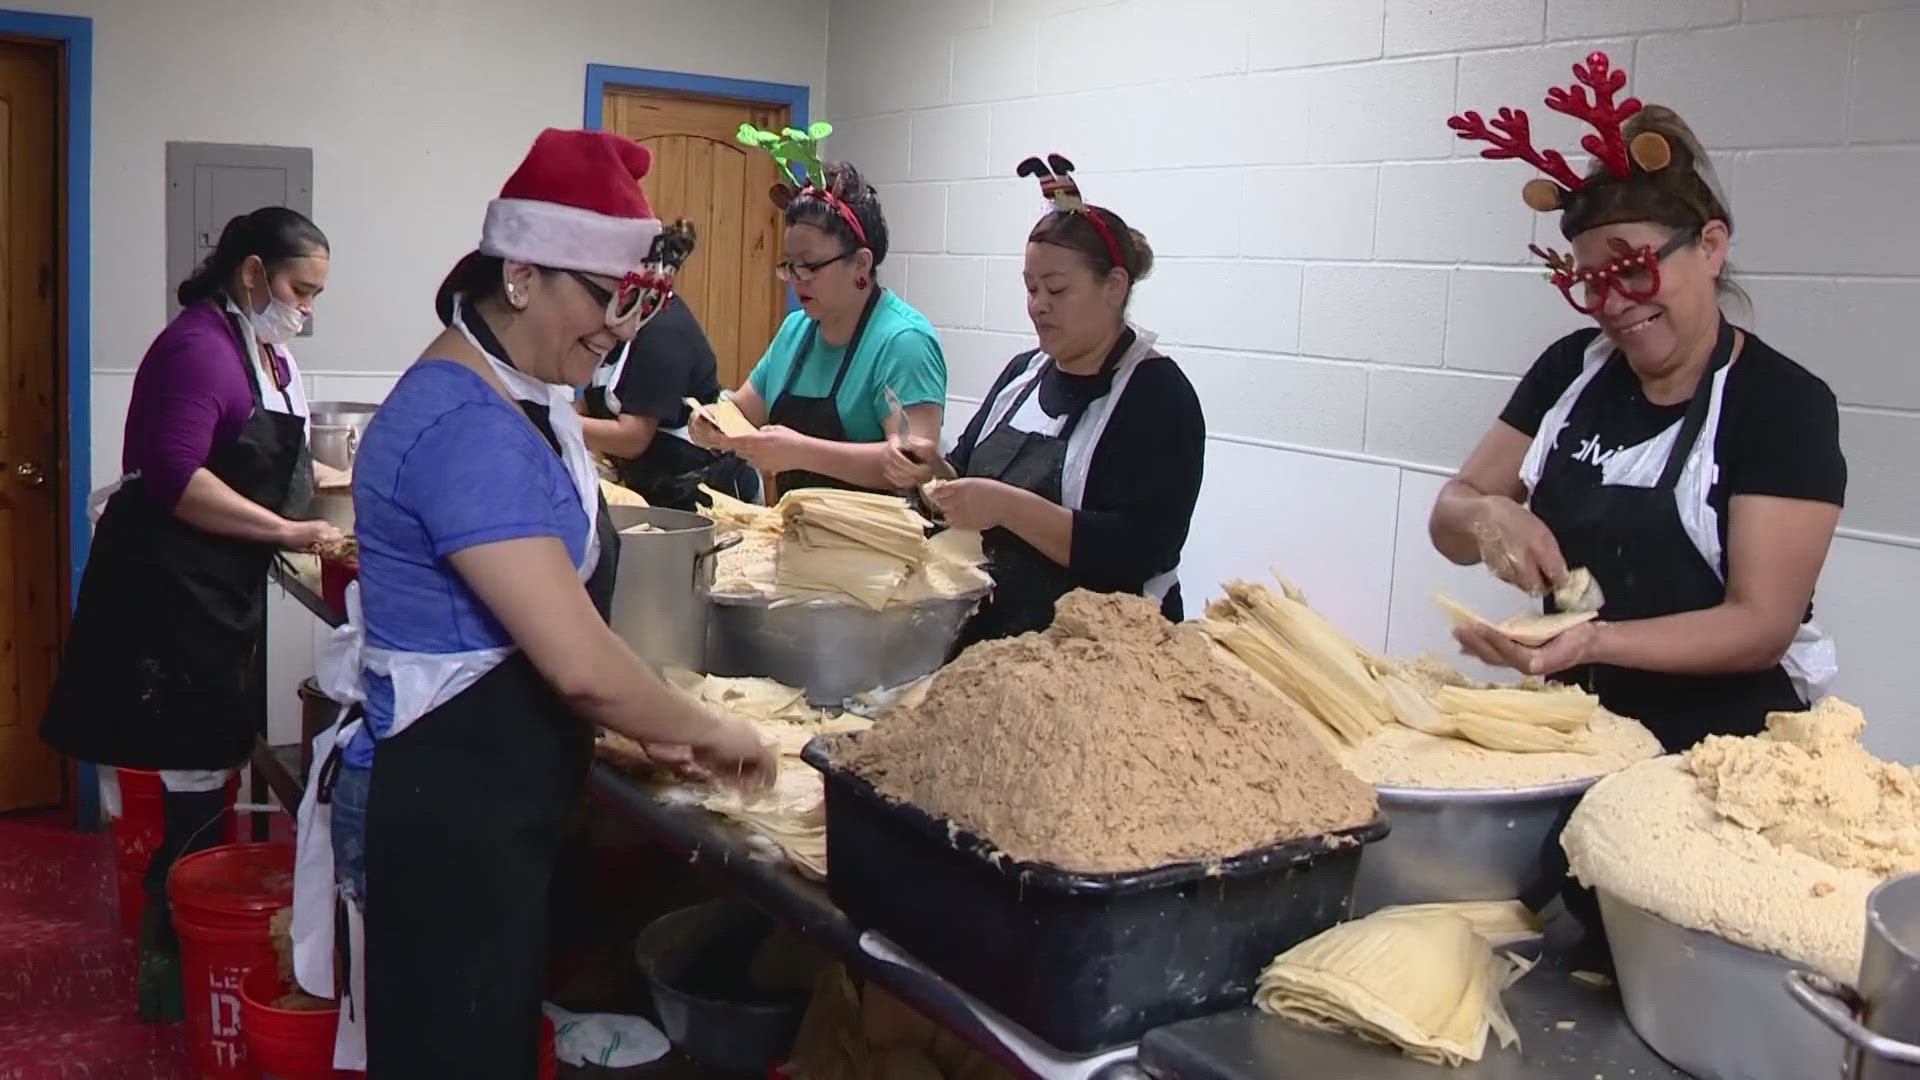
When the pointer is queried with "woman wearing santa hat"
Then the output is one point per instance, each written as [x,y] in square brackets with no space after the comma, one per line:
[819,395]
[478,639]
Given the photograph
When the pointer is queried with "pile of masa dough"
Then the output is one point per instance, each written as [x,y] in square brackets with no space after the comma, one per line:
[1772,841]
[1399,756]
[1113,740]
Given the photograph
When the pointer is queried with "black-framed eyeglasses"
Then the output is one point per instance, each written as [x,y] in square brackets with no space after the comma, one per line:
[788,270]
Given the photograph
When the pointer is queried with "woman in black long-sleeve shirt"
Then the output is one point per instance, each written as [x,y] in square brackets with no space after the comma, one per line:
[1083,465]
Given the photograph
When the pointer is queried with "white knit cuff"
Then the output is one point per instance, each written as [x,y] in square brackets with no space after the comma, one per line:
[566,237]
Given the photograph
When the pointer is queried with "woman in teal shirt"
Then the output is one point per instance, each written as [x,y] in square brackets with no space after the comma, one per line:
[819,394]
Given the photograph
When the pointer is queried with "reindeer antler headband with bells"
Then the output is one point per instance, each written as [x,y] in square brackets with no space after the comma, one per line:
[1649,161]
[1062,193]
[797,153]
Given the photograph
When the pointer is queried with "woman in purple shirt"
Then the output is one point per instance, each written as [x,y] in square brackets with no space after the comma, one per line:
[157,671]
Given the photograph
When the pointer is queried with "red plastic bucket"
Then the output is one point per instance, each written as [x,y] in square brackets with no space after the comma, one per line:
[223,900]
[292,1044]
[287,1044]
[137,834]
[549,1065]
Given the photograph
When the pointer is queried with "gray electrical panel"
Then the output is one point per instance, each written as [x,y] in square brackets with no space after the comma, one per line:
[209,184]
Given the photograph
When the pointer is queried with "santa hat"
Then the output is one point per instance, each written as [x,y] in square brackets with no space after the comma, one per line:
[575,204]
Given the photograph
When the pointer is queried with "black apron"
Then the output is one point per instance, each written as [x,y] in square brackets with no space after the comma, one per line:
[1027,584]
[1634,543]
[817,417]
[468,806]
[158,669]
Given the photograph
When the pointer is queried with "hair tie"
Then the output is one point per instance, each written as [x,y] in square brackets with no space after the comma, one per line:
[1062,193]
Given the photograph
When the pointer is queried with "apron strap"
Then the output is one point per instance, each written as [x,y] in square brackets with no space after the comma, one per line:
[1698,408]
[846,359]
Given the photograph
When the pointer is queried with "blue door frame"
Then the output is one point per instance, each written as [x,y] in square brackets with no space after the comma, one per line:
[75,37]
[602,76]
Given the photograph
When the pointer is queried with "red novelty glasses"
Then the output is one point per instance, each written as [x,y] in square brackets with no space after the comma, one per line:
[1633,272]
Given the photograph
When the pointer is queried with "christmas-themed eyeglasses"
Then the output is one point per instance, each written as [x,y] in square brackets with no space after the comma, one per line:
[1633,272]
[640,295]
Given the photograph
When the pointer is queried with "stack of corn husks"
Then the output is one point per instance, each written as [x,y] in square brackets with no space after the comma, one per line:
[823,542]
[1425,978]
[789,820]
[1355,694]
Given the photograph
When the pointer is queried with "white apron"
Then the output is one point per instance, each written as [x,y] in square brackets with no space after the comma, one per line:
[422,682]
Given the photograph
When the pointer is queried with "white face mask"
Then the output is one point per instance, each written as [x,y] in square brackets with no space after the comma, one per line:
[278,324]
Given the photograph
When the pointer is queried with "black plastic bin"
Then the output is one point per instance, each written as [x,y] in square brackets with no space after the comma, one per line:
[1085,962]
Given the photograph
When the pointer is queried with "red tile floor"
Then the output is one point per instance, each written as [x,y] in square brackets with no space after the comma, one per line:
[66,972]
[67,999]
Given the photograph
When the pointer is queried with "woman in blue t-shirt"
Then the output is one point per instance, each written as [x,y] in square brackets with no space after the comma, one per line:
[486,564]
[819,394]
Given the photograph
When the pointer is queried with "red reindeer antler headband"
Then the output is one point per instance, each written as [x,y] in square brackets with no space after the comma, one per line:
[1512,134]
[1057,186]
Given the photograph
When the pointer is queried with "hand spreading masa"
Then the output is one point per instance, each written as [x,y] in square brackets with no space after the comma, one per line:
[1113,740]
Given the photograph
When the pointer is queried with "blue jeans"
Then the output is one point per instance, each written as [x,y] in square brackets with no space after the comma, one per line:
[350,790]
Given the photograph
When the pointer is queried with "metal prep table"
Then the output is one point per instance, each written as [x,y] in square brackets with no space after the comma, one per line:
[1242,1045]
[1569,1030]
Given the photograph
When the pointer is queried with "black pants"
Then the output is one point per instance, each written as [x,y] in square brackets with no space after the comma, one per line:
[193,822]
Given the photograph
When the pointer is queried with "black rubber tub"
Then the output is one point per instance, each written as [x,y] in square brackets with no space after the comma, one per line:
[1085,962]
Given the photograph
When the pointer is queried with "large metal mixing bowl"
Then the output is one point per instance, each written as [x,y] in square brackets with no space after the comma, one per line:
[1467,844]
[834,650]
[1713,1008]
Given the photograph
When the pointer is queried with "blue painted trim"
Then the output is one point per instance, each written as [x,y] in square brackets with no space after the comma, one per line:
[601,76]
[75,35]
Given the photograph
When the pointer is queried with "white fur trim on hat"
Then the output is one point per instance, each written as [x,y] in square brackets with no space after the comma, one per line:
[566,237]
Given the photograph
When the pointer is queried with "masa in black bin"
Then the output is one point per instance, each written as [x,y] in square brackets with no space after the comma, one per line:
[1085,962]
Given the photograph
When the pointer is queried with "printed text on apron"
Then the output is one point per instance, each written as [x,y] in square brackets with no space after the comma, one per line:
[1633,540]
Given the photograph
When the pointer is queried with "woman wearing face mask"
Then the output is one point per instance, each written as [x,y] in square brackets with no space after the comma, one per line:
[818,395]
[478,633]
[216,479]
[1693,470]
[1084,463]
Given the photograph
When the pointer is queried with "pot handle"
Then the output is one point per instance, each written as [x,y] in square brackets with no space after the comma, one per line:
[1838,1006]
[706,556]
[719,546]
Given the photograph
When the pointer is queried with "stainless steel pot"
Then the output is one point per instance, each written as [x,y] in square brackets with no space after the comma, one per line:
[1711,1007]
[1467,844]
[1880,1020]
[334,429]
[660,592]
[834,650]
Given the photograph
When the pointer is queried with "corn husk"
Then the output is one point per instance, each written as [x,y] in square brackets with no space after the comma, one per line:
[1531,630]
[1500,922]
[1302,655]
[724,415]
[1424,981]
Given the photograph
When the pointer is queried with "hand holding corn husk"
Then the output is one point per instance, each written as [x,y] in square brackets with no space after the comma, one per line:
[1354,695]
[1424,979]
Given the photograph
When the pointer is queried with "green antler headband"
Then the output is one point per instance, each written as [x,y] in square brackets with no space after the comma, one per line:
[797,153]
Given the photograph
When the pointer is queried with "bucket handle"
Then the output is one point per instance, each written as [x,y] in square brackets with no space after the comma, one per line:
[1838,1006]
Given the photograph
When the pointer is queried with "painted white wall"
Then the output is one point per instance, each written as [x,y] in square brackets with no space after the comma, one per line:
[416,113]
[1348,285]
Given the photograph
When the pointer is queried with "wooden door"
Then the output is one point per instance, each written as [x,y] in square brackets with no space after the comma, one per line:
[32,581]
[701,173]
